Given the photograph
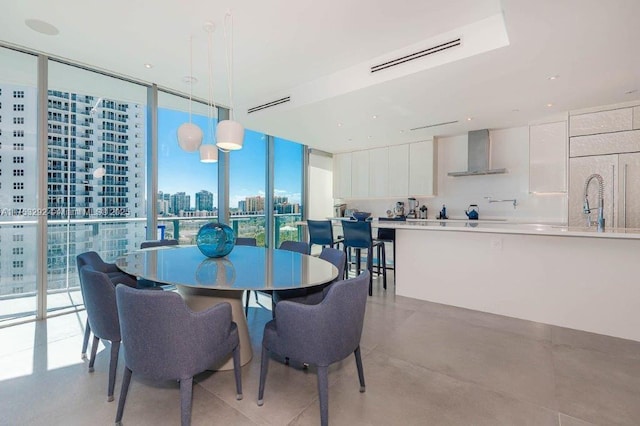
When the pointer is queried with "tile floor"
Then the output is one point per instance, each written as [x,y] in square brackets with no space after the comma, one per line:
[425,364]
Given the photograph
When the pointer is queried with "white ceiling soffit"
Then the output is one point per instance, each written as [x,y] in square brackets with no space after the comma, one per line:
[476,38]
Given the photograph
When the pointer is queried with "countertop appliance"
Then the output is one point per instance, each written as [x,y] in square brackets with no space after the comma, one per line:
[473,212]
[399,209]
[413,208]
[338,210]
[423,212]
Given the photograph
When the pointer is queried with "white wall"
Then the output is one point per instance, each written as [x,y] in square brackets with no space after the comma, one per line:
[320,193]
[510,149]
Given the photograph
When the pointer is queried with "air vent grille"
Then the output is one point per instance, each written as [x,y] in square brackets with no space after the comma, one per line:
[269,105]
[417,55]
[435,125]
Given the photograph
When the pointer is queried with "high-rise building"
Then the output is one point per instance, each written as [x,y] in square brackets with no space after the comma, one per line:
[180,202]
[84,133]
[254,204]
[204,201]
[242,206]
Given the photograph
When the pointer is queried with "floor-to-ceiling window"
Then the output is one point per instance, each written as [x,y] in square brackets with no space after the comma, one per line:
[18,212]
[287,193]
[96,138]
[187,188]
[247,187]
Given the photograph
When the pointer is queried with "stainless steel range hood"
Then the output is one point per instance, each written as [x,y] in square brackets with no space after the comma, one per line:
[479,152]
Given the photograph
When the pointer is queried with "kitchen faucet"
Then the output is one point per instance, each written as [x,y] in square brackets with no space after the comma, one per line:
[586,209]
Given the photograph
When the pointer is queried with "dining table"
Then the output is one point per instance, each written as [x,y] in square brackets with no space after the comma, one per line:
[204,281]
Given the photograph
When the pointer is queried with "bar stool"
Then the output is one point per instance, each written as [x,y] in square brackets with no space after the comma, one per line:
[321,233]
[357,235]
[388,235]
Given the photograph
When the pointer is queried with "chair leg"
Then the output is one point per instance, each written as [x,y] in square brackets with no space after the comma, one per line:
[236,372]
[264,366]
[85,342]
[360,370]
[126,379]
[94,350]
[246,304]
[186,394]
[358,261]
[347,252]
[384,265]
[323,392]
[113,366]
[370,268]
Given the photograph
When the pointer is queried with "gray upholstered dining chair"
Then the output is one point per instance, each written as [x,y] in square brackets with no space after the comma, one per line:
[158,243]
[314,295]
[99,296]
[319,334]
[116,276]
[297,246]
[165,340]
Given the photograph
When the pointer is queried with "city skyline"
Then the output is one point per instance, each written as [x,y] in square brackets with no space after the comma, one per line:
[177,168]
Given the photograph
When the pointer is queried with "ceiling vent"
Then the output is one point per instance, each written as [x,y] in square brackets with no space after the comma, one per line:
[417,55]
[269,105]
[434,125]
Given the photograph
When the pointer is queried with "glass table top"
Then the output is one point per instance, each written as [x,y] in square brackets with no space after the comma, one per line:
[245,268]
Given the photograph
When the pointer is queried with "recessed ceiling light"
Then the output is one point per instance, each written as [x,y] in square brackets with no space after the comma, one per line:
[339,124]
[41,27]
[374,116]
[401,131]
[553,77]
[148,66]
[549,105]
[369,137]
[469,118]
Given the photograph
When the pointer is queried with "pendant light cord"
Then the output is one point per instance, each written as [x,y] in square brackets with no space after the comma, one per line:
[190,74]
[211,102]
[229,58]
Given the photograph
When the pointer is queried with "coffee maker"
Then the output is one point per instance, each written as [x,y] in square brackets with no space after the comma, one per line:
[339,209]
[413,208]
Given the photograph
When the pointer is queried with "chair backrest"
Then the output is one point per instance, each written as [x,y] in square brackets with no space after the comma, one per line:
[297,246]
[100,301]
[245,241]
[357,234]
[336,257]
[337,323]
[387,234]
[158,243]
[164,340]
[92,259]
[320,232]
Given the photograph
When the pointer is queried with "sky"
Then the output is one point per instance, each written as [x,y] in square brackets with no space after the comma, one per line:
[181,171]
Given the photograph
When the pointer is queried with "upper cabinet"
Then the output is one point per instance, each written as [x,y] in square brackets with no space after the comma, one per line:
[398,171]
[389,172]
[342,175]
[548,157]
[360,174]
[593,123]
[421,169]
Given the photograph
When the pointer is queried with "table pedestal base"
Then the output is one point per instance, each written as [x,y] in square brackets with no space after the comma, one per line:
[199,299]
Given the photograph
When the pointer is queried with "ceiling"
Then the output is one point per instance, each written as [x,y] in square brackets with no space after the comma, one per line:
[319,53]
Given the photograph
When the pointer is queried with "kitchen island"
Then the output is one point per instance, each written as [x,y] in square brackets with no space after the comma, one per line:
[570,277]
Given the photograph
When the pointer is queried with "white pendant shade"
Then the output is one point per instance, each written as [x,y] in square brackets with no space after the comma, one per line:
[208,153]
[189,137]
[99,172]
[230,135]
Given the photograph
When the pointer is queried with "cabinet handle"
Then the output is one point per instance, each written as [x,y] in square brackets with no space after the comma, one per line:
[613,195]
[624,195]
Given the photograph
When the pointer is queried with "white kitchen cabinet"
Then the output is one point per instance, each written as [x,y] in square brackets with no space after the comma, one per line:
[379,172]
[548,157]
[398,171]
[360,174]
[614,120]
[342,175]
[605,143]
[421,169]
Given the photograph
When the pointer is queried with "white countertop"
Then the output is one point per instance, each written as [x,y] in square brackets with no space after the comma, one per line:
[504,227]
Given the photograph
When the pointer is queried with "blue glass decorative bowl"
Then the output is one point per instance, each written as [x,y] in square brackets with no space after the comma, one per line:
[215,239]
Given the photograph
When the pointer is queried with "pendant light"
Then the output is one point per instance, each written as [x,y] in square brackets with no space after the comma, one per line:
[190,135]
[209,152]
[230,133]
